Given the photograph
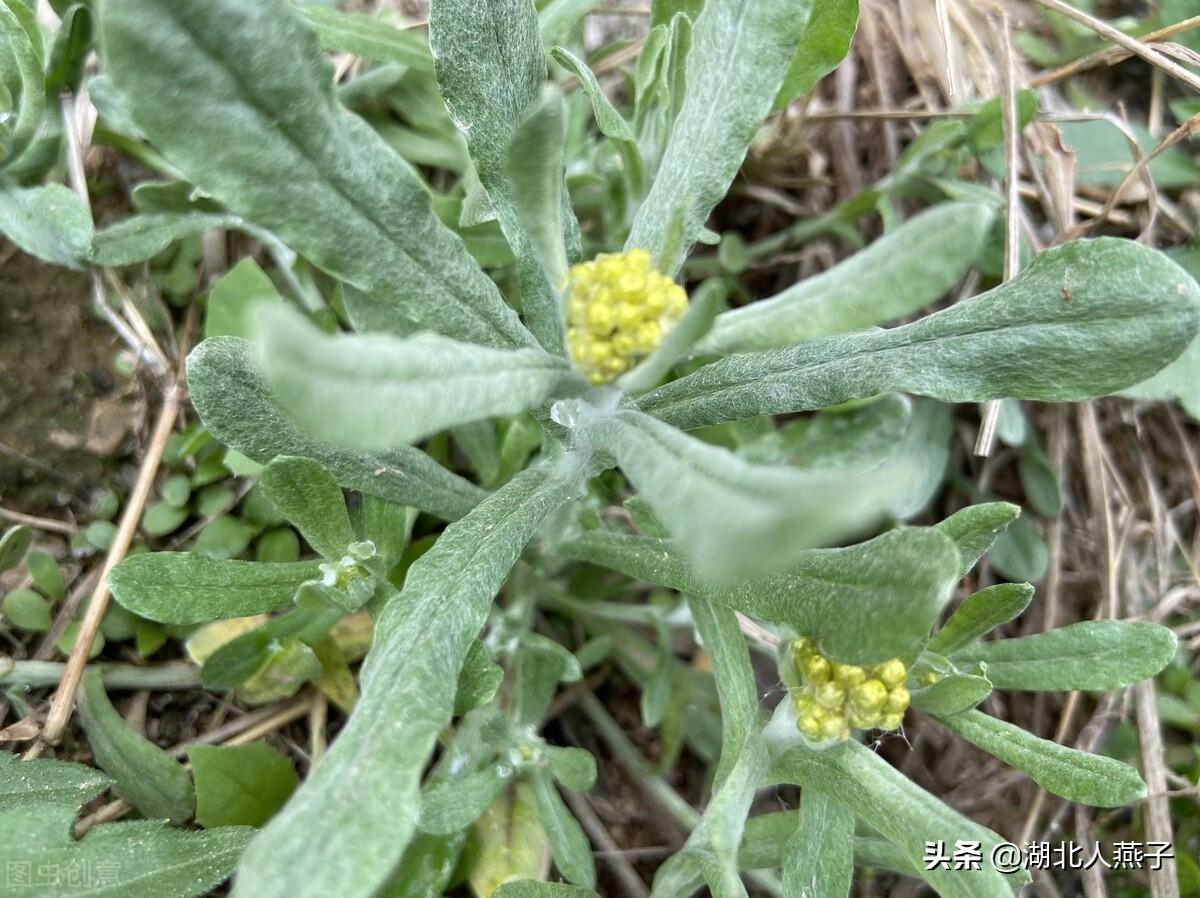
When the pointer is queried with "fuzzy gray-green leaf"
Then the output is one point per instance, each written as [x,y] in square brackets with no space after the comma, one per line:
[239,97]
[1092,655]
[186,588]
[980,614]
[49,222]
[337,386]
[347,827]
[139,237]
[235,404]
[768,513]
[819,862]
[836,596]
[740,53]
[900,273]
[306,494]
[143,774]
[1074,775]
[1084,320]
[975,528]
[491,67]
[900,810]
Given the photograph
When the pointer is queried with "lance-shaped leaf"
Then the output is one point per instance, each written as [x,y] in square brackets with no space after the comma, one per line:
[820,855]
[608,119]
[979,614]
[1074,775]
[568,843]
[235,404]
[888,801]
[741,51]
[453,804]
[143,774]
[306,494]
[863,604]
[1092,655]
[975,528]
[952,694]
[240,98]
[491,67]
[139,237]
[185,588]
[903,271]
[347,827]
[376,391]
[1084,320]
[39,803]
[735,518]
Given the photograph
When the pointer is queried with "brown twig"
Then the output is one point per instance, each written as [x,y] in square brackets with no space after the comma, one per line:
[64,698]
[66,528]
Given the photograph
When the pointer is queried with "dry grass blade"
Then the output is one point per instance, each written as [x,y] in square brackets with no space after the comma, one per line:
[1012,203]
[1112,55]
[1133,45]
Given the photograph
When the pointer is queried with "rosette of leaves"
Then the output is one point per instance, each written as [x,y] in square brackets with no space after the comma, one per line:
[239,100]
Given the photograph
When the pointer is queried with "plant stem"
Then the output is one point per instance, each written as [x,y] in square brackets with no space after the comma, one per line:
[662,794]
[164,677]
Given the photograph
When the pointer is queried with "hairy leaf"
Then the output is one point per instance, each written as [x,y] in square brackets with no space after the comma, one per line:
[376,391]
[240,98]
[139,237]
[836,596]
[1092,655]
[768,514]
[608,119]
[952,694]
[21,43]
[369,38]
[143,774]
[740,53]
[1084,320]
[903,271]
[306,494]
[819,862]
[901,811]
[568,843]
[713,843]
[975,528]
[454,804]
[491,67]
[348,825]
[235,404]
[1071,774]
[185,588]
[39,802]
[49,222]
[979,614]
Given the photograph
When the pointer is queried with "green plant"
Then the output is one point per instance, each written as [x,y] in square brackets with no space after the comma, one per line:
[726,508]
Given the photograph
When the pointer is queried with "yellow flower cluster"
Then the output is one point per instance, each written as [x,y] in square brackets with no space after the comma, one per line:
[836,698]
[618,308]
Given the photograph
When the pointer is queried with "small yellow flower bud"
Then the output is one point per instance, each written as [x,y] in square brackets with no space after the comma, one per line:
[815,669]
[897,700]
[892,673]
[847,675]
[830,696]
[869,696]
[810,726]
[891,721]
